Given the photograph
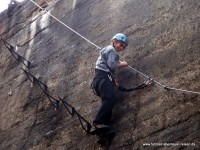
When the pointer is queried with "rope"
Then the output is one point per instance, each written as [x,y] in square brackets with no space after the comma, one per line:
[65,24]
[44,87]
[164,86]
[171,88]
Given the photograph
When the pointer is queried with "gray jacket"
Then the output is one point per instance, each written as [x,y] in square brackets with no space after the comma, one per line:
[108,60]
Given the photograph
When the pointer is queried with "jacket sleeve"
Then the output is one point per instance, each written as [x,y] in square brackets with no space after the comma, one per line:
[123,89]
[113,61]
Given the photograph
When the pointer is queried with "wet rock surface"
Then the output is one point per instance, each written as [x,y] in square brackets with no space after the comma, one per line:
[164,44]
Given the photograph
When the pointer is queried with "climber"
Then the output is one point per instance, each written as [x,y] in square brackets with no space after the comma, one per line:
[104,82]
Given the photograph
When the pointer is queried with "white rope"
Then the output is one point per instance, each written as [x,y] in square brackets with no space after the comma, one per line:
[166,87]
[65,25]
[171,88]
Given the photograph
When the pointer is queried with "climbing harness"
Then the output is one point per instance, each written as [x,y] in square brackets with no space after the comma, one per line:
[99,79]
[96,86]
[56,102]
[164,86]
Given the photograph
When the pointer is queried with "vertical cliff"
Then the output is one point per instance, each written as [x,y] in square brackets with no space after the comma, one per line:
[164,44]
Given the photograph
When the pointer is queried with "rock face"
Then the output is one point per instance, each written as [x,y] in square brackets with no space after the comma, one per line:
[164,44]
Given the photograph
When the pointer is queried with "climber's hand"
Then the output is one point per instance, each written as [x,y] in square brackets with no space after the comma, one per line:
[148,81]
[123,64]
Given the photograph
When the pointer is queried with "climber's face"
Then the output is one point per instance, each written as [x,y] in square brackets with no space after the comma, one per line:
[119,45]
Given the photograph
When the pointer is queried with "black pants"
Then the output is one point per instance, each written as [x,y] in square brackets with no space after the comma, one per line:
[108,96]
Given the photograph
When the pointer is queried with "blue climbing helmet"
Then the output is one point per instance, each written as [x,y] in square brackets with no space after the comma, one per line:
[121,37]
